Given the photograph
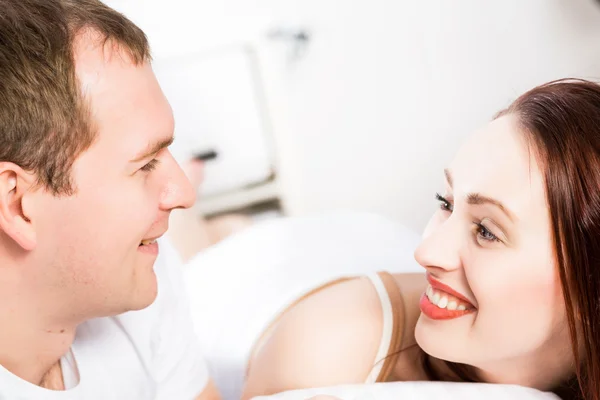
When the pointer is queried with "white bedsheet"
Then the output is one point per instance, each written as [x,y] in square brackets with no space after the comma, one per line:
[418,391]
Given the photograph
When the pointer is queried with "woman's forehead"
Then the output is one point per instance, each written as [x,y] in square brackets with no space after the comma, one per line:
[499,162]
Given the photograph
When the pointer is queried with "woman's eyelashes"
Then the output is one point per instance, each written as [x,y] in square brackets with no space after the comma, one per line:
[445,204]
[484,233]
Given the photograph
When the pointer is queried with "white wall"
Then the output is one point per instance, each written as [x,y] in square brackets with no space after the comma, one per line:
[389,88]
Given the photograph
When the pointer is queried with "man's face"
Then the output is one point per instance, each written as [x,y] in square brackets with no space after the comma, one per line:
[89,252]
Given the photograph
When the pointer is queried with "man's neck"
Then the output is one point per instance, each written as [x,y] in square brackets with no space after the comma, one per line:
[31,349]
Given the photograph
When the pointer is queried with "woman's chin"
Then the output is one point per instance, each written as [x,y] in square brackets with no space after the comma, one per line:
[436,343]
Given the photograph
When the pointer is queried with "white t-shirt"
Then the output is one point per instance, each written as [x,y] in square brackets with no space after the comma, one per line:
[147,354]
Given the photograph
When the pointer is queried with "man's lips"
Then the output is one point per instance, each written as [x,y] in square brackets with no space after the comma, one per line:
[151,239]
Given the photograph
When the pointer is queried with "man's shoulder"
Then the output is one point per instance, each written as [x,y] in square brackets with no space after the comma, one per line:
[115,351]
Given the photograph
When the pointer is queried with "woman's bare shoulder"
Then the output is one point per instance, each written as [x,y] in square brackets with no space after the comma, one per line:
[328,338]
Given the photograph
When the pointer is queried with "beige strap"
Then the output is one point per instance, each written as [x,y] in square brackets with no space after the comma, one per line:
[398,313]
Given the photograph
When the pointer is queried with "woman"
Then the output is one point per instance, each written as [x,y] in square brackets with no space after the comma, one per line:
[511,292]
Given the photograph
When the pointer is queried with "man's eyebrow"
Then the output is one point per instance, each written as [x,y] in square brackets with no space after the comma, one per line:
[153,148]
[476,199]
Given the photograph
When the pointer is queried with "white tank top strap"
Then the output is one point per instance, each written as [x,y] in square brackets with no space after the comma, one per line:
[392,308]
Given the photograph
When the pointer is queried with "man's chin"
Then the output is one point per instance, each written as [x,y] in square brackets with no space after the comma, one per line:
[144,294]
[142,303]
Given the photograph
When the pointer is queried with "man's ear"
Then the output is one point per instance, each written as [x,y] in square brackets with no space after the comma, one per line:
[15,183]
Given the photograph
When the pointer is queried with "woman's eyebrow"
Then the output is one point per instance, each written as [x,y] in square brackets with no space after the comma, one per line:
[476,199]
[448,177]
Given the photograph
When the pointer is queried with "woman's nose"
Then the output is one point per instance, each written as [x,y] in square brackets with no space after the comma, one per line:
[440,249]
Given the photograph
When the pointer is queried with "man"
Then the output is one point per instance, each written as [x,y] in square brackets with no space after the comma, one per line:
[86,188]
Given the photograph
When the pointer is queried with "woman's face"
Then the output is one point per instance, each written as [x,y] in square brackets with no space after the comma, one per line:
[490,243]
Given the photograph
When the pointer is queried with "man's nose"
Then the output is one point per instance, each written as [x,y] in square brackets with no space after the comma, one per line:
[178,191]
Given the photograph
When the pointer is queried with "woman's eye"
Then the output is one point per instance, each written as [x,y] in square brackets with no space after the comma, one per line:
[151,166]
[484,234]
[444,203]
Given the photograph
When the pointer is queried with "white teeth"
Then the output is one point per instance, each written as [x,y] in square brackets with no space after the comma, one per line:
[443,302]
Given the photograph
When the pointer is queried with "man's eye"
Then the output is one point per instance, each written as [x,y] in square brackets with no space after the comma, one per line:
[151,166]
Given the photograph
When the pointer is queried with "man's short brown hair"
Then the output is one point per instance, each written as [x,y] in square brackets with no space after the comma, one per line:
[45,123]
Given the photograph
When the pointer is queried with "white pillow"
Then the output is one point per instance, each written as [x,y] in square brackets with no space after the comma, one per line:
[418,391]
